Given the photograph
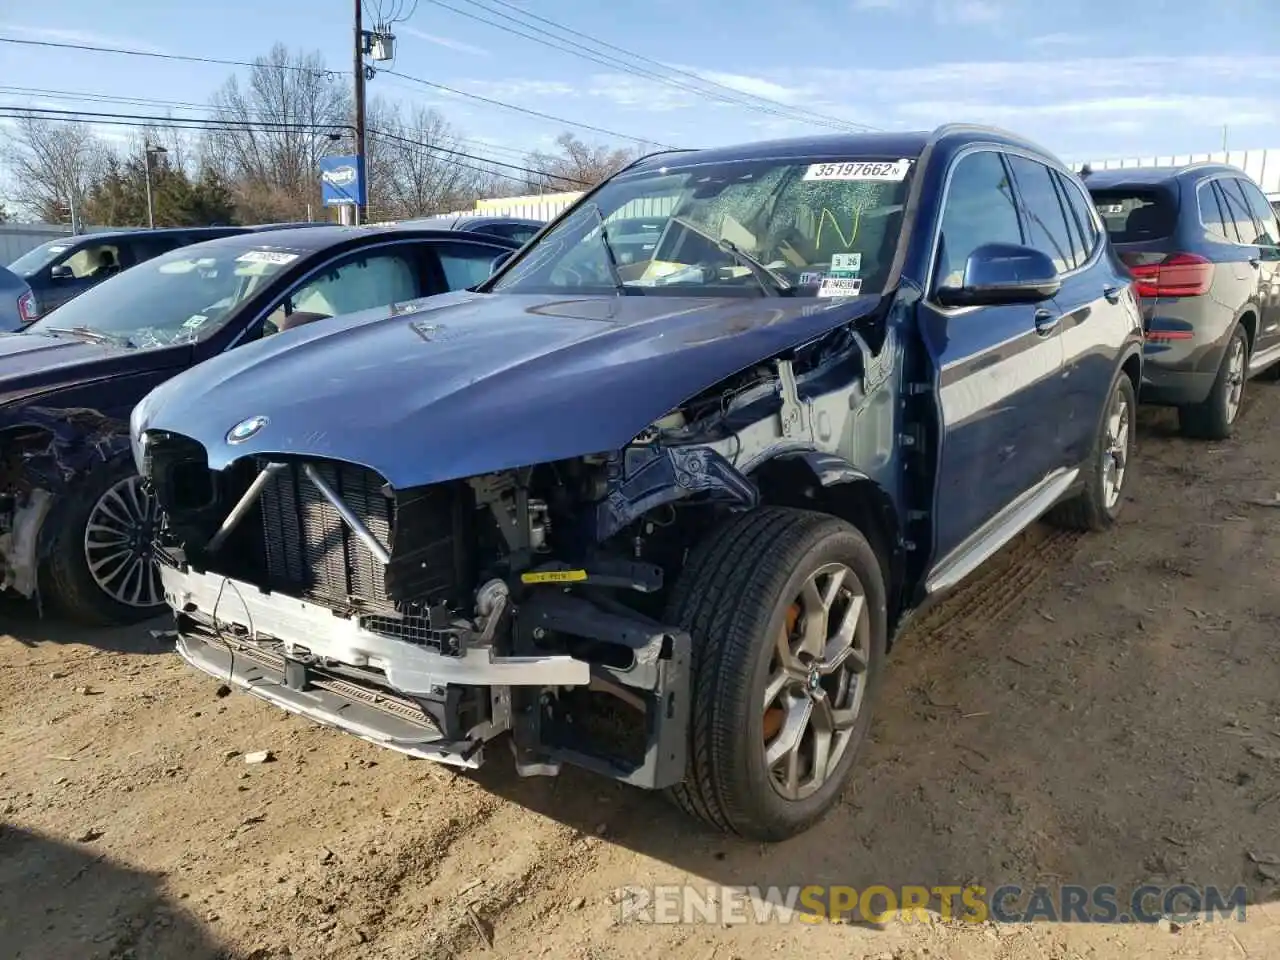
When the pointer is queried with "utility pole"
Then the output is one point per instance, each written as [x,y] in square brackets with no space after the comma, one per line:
[359,93]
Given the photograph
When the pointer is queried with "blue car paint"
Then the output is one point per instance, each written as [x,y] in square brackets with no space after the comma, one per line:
[500,380]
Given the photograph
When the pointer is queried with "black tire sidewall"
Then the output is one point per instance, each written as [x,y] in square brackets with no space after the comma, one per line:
[834,541]
[66,574]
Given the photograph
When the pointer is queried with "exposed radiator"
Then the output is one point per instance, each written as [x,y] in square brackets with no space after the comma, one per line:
[311,551]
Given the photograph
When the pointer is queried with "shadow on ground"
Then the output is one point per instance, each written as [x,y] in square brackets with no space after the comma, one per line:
[29,625]
[60,900]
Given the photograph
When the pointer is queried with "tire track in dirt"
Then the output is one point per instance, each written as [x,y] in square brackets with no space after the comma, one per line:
[999,587]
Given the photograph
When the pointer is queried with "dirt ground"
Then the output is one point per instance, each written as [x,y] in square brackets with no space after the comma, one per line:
[1089,710]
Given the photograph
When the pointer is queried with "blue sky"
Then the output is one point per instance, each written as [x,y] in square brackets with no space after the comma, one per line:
[1092,78]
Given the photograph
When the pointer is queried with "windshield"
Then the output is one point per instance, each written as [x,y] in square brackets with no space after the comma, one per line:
[40,257]
[742,228]
[183,296]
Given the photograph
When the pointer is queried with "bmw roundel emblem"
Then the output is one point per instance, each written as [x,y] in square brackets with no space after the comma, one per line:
[245,429]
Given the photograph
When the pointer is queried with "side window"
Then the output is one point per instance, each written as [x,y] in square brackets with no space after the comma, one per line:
[144,249]
[465,264]
[1079,204]
[979,210]
[355,284]
[1262,212]
[1236,210]
[1211,214]
[521,235]
[97,260]
[1042,212]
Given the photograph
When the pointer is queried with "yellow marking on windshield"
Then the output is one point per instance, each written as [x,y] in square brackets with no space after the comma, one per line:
[822,220]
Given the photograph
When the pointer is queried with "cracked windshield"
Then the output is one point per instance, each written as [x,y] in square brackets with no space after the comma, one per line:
[180,297]
[799,228]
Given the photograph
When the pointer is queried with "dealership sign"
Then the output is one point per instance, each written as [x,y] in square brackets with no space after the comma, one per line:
[342,181]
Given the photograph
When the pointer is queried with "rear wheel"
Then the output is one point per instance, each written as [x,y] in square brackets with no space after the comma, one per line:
[1098,505]
[786,610]
[1215,418]
[101,569]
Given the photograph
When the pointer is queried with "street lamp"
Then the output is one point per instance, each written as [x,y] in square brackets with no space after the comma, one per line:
[149,151]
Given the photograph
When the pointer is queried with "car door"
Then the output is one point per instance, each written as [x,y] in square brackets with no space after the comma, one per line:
[999,368]
[1267,265]
[1095,305]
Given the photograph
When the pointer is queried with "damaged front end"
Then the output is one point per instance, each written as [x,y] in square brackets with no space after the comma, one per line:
[528,602]
[43,452]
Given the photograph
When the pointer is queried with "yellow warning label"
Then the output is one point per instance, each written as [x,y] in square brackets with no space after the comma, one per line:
[553,576]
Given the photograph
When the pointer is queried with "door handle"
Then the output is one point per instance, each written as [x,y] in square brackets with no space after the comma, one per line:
[1112,293]
[1047,321]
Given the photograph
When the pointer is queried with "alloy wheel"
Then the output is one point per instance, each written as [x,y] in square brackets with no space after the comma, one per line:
[1116,456]
[1235,378]
[118,544]
[817,681]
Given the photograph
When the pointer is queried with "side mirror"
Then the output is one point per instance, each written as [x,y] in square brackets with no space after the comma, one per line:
[498,261]
[1003,273]
[61,272]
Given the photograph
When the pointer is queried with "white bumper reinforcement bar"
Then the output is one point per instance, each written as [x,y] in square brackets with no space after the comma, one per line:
[310,629]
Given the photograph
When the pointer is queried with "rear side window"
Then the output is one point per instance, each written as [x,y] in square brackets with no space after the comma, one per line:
[1235,210]
[1136,215]
[466,264]
[1081,219]
[1262,213]
[1211,213]
[1043,213]
[980,210]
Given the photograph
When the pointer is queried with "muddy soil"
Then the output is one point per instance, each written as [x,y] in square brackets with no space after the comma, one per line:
[1088,710]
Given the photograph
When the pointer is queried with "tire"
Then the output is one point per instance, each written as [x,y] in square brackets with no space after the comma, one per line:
[1108,468]
[109,494]
[1214,419]
[737,595]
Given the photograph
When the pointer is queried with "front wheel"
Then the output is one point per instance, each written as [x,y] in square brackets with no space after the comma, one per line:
[101,569]
[786,611]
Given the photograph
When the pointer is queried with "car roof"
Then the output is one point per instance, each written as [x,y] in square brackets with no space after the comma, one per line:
[1155,175]
[485,221]
[879,144]
[315,238]
[98,235]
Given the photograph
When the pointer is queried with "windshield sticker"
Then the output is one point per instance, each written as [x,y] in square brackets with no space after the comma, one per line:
[195,321]
[840,287]
[266,256]
[846,264]
[56,250]
[810,277]
[859,170]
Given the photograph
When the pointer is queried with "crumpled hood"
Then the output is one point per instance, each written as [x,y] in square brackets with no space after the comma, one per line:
[475,383]
[31,363]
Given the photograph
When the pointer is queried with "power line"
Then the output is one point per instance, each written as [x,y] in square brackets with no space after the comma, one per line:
[526,110]
[97,48]
[331,73]
[494,163]
[731,96]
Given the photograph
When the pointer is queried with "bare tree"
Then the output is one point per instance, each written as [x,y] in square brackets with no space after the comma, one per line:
[578,165]
[414,164]
[286,113]
[52,164]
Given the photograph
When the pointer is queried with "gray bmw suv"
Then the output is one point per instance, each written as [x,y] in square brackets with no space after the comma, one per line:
[1203,246]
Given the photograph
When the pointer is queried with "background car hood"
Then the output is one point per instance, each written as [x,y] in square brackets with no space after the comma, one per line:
[32,362]
[474,383]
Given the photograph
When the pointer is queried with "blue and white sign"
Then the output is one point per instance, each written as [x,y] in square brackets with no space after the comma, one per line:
[342,181]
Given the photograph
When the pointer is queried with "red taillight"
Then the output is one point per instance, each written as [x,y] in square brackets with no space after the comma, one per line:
[27,308]
[1177,275]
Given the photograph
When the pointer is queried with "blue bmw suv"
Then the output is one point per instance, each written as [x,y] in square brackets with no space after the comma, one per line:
[658,509]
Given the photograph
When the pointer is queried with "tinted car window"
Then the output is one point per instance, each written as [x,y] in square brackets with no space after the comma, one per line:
[358,284]
[1211,214]
[980,210]
[1081,220]
[466,264]
[1262,212]
[144,248]
[1042,212]
[1136,215]
[1236,210]
[41,256]
[97,260]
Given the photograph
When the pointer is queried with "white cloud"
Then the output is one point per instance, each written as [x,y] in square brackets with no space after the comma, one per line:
[1056,40]
[967,11]
[60,35]
[517,89]
[447,42]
